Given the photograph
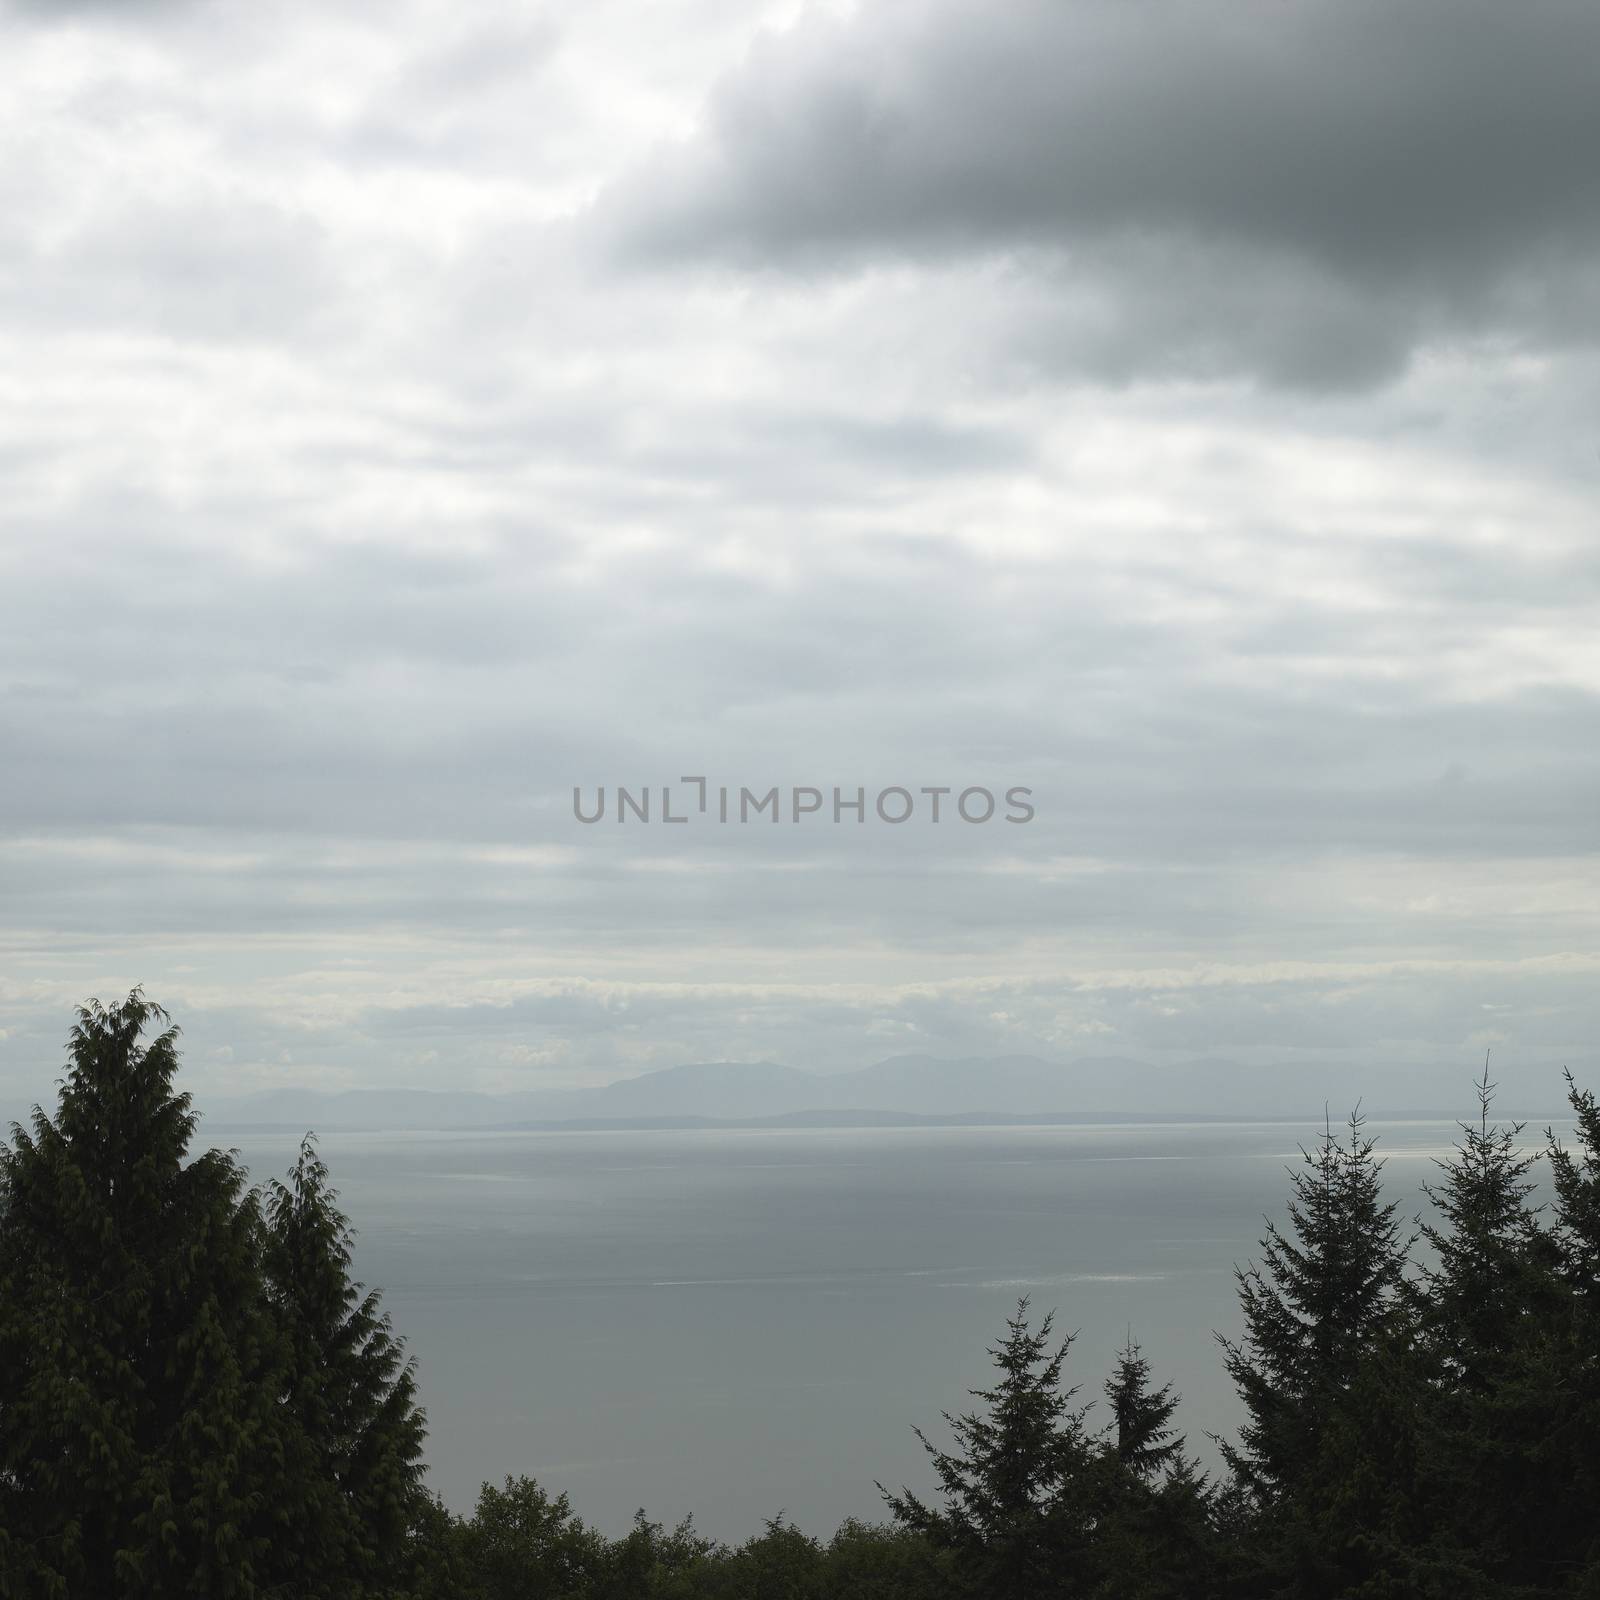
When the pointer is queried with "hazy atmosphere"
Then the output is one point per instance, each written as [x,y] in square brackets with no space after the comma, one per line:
[831,766]
[410,418]
[1186,414]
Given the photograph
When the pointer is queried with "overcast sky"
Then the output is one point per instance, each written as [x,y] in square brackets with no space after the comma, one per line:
[1189,412]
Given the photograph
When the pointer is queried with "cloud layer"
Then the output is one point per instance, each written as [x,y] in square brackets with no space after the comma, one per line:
[1185,417]
[1306,193]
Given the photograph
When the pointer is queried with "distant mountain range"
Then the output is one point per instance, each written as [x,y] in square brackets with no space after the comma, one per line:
[902,1089]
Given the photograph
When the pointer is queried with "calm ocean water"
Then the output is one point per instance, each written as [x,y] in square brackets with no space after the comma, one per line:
[737,1323]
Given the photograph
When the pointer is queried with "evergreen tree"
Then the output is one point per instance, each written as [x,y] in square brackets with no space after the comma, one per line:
[438,1558]
[1574,1441]
[1357,1521]
[1497,1332]
[1490,1258]
[1576,1179]
[1312,1309]
[349,1385]
[1022,1490]
[141,1440]
[1146,1441]
[1156,1540]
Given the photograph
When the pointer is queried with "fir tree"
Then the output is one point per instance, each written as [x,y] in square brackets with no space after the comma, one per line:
[1319,1311]
[141,1442]
[1574,1441]
[1487,1246]
[1506,1376]
[348,1383]
[1576,1179]
[1146,1441]
[1156,1539]
[1023,1487]
[1312,1309]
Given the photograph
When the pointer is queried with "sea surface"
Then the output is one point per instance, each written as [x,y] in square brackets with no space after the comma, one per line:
[742,1323]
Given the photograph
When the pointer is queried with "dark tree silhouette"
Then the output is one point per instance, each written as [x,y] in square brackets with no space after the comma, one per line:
[1146,1441]
[348,1382]
[1490,1265]
[1021,1488]
[1312,1307]
[141,1439]
[1495,1328]
[1575,1176]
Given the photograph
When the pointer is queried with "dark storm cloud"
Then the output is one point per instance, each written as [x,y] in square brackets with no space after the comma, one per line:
[1303,191]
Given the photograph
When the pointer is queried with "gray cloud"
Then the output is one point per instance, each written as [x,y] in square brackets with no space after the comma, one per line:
[356,510]
[211,270]
[1304,193]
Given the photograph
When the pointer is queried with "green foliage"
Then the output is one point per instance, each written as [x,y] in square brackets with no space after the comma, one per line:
[1447,1448]
[781,1562]
[865,1562]
[1576,1179]
[1574,1442]
[1146,1442]
[193,1397]
[1023,1487]
[1506,1351]
[521,1543]
[654,1562]
[1311,1310]
[1491,1274]
[141,1442]
[1156,1538]
[349,1386]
